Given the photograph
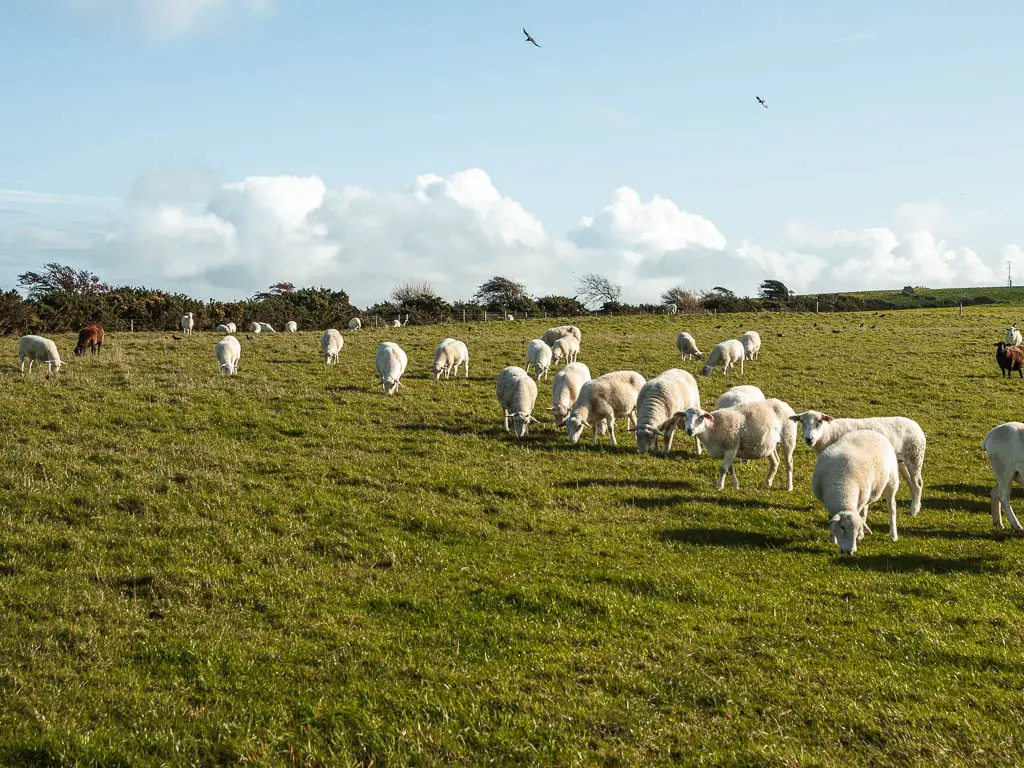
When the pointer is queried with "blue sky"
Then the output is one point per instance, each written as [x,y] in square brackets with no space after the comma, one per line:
[869,110]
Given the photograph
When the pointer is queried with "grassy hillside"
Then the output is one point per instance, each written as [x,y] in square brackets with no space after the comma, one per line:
[287,567]
[1000,294]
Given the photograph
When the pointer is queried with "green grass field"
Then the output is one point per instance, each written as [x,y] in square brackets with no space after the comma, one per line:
[1000,294]
[287,567]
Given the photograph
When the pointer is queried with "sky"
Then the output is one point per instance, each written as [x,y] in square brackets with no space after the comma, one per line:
[215,147]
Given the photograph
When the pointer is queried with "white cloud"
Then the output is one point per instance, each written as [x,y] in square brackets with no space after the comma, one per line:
[193,233]
[166,18]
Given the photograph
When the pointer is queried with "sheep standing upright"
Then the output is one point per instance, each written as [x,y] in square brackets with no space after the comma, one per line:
[853,472]
[603,400]
[751,341]
[687,346]
[330,345]
[671,308]
[37,349]
[256,327]
[1013,337]
[565,388]
[566,348]
[291,326]
[538,354]
[659,400]
[750,431]
[390,362]
[228,352]
[449,355]
[738,395]
[1005,448]
[188,322]
[355,324]
[1010,359]
[90,337]
[726,354]
[232,328]
[517,396]
[551,335]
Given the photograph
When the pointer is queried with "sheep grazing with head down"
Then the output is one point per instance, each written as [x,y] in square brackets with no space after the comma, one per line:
[566,348]
[603,400]
[509,317]
[726,354]
[551,335]
[517,396]
[749,431]
[188,322]
[355,324]
[565,388]
[1010,359]
[751,341]
[671,309]
[291,326]
[1005,448]
[449,355]
[331,344]
[659,400]
[1013,337]
[390,362]
[255,327]
[90,337]
[232,328]
[267,328]
[538,354]
[819,431]
[738,395]
[228,352]
[687,346]
[222,328]
[852,473]
[37,349]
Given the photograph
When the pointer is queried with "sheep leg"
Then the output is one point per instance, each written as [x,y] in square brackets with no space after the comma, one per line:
[727,463]
[611,429]
[700,448]
[506,421]
[669,434]
[741,367]
[773,468]
[467,369]
[890,496]
[1011,516]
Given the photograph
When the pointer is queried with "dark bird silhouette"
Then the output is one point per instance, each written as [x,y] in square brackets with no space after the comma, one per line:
[177,338]
[529,39]
[248,337]
[836,330]
[762,102]
[872,327]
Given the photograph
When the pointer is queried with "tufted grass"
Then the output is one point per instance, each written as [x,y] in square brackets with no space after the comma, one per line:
[287,567]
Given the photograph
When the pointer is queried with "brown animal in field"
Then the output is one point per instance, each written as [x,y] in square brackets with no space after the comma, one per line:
[90,337]
[1010,359]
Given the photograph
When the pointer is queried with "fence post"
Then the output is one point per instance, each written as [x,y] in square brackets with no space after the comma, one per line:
[485,315]
[133,322]
[463,315]
[961,309]
[815,307]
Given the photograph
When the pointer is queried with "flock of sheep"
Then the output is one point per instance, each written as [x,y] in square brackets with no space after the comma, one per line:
[858,461]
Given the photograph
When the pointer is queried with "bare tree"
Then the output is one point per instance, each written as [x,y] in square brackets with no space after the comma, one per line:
[686,301]
[596,290]
[412,291]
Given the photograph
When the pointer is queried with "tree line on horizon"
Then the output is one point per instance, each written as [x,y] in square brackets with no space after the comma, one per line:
[61,298]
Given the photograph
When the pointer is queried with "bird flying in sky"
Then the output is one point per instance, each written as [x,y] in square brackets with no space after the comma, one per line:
[530,39]
[762,102]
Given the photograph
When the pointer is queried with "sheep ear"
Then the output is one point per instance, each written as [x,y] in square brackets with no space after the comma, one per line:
[709,417]
[794,418]
[826,417]
[835,518]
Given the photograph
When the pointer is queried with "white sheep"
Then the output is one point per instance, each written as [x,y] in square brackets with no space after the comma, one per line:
[660,399]
[291,326]
[449,355]
[390,361]
[538,354]
[396,323]
[566,348]
[355,324]
[228,351]
[509,317]
[331,343]
[551,335]
[565,388]
[222,328]
[738,395]
[255,327]
[267,328]
[232,328]
[726,354]
[687,346]
[1005,448]
[37,349]
[188,322]
[517,395]
[671,309]
[603,400]
[908,440]
[853,472]
[1013,337]
[751,345]
[749,431]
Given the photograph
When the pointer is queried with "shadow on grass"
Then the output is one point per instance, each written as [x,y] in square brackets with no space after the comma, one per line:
[726,537]
[346,388]
[726,502]
[603,482]
[454,429]
[960,503]
[993,534]
[964,488]
[908,563]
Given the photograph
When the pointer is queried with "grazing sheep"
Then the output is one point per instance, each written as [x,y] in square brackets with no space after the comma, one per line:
[255,327]
[671,309]
[748,431]
[1010,359]
[396,323]
[1013,337]
[37,349]
[551,335]
[538,354]
[509,317]
[222,328]
[228,351]
[751,345]
[188,322]
[565,388]
[232,328]
[1005,448]
[449,355]
[267,328]
[566,348]
[291,326]
[853,472]
[820,430]
[687,346]
[355,324]
[603,400]
[659,400]
[738,395]
[517,395]
[90,337]
[331,344]
[390,361]
[726,354]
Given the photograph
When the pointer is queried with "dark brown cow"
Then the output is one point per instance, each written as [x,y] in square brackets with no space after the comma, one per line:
[90,337]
